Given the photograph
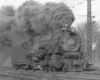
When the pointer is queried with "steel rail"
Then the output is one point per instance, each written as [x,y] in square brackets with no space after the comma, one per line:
[49,77]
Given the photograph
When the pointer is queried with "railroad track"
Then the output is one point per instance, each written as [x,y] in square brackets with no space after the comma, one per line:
[41,75]
[48,76]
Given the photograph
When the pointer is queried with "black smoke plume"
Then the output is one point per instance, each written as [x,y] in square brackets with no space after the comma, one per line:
[31,18]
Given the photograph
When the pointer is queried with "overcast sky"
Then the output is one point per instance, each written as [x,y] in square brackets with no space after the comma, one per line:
[80,11]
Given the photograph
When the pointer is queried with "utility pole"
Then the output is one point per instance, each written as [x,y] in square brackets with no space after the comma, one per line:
[89,32]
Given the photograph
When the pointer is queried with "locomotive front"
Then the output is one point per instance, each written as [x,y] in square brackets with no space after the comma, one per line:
[71,48]
[60,52]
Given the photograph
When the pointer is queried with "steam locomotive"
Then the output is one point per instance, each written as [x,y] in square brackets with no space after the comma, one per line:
[58,51]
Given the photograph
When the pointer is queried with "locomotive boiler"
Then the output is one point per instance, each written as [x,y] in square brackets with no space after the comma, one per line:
[58,51]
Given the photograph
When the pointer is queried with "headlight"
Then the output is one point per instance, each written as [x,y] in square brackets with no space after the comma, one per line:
[73,29]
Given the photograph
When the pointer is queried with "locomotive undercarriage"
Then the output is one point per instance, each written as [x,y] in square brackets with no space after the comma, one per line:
[53,62]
